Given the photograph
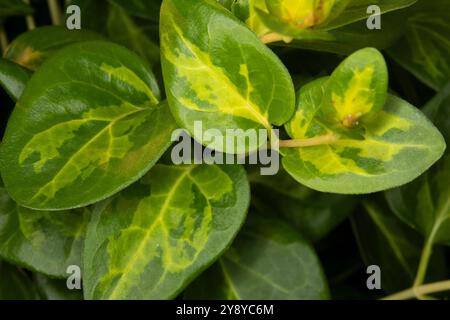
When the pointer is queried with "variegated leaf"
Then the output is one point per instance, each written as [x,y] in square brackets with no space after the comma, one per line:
[43,241]
[355,90]
[153,238]
[93,126]
[218,72]
[32,48]
[364,149]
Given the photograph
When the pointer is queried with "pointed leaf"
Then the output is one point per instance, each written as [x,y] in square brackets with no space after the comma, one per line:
[268,260]
[153,238]
[13,78]
[218,72]
[94,126]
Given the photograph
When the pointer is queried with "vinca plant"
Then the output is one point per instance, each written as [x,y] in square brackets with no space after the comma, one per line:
[225,149]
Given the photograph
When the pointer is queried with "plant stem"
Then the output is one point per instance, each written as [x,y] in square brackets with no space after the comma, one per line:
[271,37]
[55,12]
[420,291]
[3,39]
[31,24]
[298,143]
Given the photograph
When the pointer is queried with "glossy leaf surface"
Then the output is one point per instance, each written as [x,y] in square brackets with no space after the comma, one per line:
[153,238]
[218,72]
[94,126]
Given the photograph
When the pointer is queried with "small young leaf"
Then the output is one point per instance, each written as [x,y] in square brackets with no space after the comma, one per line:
[356,89]
[13,78]
[43,241]
[425,203]
[32,48]
[153,238]
[268,260]
[218,72]
[425,49]
[369,150]
[94,126]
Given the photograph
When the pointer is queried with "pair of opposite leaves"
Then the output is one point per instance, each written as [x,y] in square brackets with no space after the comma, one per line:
[89,122]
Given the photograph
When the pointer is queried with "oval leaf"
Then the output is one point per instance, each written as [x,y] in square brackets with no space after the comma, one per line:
[32,48]
[13,78]
[94,126]
[217,71]
[357,88]
[153,238]
[268,260]
[391,148]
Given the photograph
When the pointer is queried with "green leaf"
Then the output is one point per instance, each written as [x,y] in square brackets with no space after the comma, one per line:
[13,78]
[141,8]
[349,38]
[268,260]
[218,72]
[425,48]
[94,126]
[425,203]
[14,8]
[357,10]
[43,241]
[123,30]
[54,289]
[94,14]
[367,150]
[32,48]
[153,238]
[15,284]
[386,241]
[313,213]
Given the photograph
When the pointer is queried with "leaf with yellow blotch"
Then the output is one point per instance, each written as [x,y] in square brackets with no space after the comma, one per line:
[94,125]
[217,71]
[152,239]
[366,142]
